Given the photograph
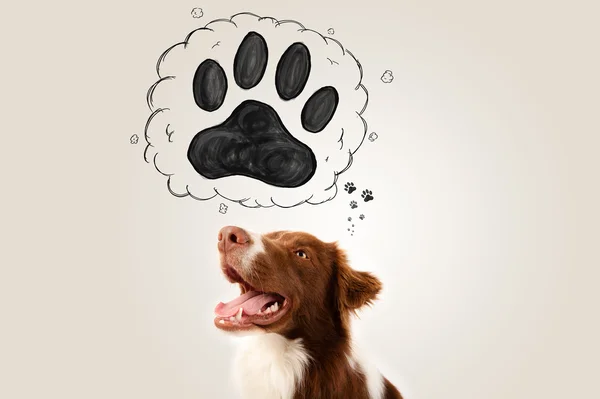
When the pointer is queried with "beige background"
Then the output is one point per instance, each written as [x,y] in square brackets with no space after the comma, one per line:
[484,227]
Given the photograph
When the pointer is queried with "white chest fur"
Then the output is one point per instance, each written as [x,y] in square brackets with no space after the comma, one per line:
[269,366]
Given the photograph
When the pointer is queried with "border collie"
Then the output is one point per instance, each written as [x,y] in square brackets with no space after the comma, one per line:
[297,297]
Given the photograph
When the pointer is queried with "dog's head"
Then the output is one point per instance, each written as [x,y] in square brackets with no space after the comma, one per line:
[291,283]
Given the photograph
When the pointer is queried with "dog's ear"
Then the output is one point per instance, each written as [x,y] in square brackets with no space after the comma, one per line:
[355,288]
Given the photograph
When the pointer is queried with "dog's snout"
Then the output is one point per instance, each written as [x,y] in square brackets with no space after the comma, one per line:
[232,236]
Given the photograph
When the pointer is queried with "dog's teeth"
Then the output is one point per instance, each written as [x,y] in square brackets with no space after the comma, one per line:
[221,321]
[232,318]
[275,307]
[238,316]
[259,311]
[268,311]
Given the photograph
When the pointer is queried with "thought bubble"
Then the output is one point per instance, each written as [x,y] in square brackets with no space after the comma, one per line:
[259,112]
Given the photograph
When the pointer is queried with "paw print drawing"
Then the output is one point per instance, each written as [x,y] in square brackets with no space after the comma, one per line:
[353,204]
[223,208]
[367,195]
[267,103]
[362,217]
[349,187]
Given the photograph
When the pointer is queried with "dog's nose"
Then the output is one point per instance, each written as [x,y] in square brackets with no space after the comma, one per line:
[231,236]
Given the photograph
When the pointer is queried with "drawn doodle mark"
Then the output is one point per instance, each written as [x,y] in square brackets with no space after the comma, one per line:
[349,187]
[197,12]
[253,141]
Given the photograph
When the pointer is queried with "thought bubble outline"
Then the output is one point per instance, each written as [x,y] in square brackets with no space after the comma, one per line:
[247,201]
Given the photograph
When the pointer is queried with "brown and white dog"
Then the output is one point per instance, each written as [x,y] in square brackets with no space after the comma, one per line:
[297,297]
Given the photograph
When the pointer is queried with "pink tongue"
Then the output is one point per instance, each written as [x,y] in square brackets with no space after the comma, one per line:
[251,301]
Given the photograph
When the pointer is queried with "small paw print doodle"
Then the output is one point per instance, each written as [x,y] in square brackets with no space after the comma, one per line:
[373,136]
[330,31]
[367,195]
[253,94]
[353,204]
[349,187]
[387,77]
[197,13]
[134,139]
[362,217]
[349,219]
[223,208]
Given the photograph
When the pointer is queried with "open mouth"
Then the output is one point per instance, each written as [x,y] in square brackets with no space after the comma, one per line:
[252,308]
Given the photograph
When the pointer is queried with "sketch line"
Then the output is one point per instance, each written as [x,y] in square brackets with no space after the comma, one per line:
[341,140]
[169,134]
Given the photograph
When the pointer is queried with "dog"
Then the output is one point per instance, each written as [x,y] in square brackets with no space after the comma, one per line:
[298,294]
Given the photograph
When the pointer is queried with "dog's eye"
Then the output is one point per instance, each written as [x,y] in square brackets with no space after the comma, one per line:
[302,254]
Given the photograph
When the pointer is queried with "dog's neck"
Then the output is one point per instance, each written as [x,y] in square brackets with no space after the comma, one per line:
[275,366]
[270,366]
[322,347]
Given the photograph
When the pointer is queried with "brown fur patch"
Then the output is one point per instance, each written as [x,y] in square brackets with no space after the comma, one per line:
[324,292]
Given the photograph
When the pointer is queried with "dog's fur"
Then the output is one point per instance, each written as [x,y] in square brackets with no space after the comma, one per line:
[303,350]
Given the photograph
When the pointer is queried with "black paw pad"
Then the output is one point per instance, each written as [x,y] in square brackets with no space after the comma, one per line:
[292,71]
[319,109]
[209,85]
[252,142]
[250,61]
